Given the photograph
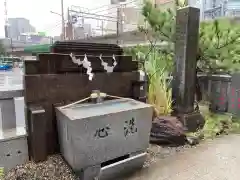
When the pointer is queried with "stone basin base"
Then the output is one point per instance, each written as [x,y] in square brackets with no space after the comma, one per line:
[192,121]
[114,170]
[13,148]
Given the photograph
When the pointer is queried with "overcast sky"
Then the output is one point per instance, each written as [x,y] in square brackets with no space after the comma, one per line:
[38,12]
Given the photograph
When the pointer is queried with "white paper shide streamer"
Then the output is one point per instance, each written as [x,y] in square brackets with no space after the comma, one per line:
[107,68]
[85,63]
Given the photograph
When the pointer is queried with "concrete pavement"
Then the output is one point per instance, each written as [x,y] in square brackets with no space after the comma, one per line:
[217,159]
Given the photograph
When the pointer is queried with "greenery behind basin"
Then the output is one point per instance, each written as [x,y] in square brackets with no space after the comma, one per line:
[219,50]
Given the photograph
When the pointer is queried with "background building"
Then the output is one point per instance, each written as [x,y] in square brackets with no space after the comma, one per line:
[83,31]
[233,8]
[17,26]
[211,9]
[35,38]
[129,14]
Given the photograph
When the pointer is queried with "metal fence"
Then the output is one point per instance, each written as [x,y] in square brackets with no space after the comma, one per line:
[216,89]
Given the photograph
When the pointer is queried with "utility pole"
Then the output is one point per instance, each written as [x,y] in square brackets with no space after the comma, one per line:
[63,21]
[119,22]
[51,39]
[11,44]
[102,27]
[70,29]
[99,17]
[6,26]
[118,19]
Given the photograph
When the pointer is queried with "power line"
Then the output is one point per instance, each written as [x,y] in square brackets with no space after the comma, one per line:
[123,12]
[117,6]
[53,28]
[116,18]
[58,25]
[6,19]
[107,5]
[104,15]
[93,14]
[63,21]
[123,6]
[97,18]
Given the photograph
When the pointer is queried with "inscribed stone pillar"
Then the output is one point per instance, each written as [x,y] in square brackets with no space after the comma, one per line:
[184,79]
[186,46]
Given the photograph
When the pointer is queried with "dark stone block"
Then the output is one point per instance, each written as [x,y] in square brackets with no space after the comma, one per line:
[139,89]
[37,133]
[80,48]
[192,121]
[31,66]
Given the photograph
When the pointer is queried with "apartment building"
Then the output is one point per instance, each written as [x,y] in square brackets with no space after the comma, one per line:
[17,26]
[129,14]
[211,9]
[233,8]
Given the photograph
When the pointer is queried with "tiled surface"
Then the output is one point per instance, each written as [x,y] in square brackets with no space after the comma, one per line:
[214,160]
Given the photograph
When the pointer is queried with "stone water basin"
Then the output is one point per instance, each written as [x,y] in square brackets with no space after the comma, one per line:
[104,139]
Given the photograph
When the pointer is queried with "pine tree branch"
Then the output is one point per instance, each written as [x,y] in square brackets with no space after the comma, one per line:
[164,34]
[228,43]
[218,39]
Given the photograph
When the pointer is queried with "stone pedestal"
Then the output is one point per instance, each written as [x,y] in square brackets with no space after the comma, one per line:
[13,139]
[7,108]
[13,148]
[192,121]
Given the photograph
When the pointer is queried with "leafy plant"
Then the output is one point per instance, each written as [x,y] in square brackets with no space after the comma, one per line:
[160,95]
[156,65]
[218,124]
[1,173]
[219,46]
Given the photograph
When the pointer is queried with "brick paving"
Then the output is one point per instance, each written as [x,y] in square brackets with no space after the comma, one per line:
[217,159]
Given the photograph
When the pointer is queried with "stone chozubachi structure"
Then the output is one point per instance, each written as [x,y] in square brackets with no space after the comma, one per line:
[70,74]
[55,80]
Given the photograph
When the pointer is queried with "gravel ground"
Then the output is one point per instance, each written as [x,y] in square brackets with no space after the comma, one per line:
[53,169]
[156,153]
[56,169]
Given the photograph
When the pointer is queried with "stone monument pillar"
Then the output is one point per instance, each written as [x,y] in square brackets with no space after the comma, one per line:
[184,77]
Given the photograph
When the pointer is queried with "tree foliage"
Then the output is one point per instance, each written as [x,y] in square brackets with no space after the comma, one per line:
[219,40]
